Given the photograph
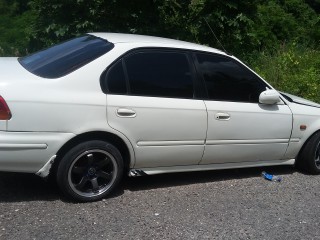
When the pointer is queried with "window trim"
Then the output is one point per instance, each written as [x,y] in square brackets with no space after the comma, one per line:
[200,89]
[197,92]
[104,76]
[201,78]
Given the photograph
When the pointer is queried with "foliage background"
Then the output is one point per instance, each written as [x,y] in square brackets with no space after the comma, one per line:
[278,38]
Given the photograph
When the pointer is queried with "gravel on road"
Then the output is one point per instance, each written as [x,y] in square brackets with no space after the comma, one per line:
[224,204]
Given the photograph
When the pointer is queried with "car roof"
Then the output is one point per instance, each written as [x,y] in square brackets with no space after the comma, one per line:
[116,38]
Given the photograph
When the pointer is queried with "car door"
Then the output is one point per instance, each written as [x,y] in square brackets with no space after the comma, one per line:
[151,100]
[240,129]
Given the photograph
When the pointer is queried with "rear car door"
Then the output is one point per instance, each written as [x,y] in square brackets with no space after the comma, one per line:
[240,129]
[151,99]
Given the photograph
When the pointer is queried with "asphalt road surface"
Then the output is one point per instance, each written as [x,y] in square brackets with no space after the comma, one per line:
[229,204]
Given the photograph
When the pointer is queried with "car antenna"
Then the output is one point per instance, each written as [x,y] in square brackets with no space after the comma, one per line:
[216,36]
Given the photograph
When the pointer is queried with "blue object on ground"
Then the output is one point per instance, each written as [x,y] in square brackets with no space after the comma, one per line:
[271,177]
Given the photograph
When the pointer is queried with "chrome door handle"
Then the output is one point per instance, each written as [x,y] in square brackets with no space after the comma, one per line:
[222,116]
[125,112]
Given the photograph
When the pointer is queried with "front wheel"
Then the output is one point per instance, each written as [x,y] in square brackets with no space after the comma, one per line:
[90,171]
[309,158]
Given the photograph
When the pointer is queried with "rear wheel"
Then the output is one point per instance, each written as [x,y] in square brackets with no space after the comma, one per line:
[90,171]
[309,158]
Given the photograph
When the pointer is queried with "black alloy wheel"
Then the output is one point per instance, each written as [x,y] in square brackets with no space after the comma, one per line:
[309,157]
[90,171]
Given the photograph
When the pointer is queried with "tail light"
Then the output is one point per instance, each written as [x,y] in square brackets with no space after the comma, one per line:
[5,113]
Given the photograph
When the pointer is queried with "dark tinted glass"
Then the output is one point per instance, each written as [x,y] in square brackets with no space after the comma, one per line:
[116,79]
[66,57]
[164,74]
[227,80]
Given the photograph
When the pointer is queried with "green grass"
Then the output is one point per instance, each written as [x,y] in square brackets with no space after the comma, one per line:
[292,68]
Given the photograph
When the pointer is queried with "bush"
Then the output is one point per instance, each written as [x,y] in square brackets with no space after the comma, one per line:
[16,26]
[292,68]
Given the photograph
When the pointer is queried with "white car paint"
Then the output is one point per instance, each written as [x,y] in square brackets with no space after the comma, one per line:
[302,115]
[249,133]
[164,135]
[29,151]
[3,125]
[178,125]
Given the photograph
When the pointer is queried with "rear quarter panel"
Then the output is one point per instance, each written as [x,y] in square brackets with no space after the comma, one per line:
[73,104]
[3,125]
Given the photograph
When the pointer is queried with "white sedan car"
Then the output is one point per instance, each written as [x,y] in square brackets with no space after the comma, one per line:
[102,105]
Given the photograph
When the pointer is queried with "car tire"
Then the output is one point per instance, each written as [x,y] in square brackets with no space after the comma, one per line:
[309,158]
[90,171]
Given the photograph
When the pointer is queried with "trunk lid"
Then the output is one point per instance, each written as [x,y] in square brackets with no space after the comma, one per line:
[11,70]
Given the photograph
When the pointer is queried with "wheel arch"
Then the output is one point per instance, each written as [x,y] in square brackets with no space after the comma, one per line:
[298,158]
[122,145]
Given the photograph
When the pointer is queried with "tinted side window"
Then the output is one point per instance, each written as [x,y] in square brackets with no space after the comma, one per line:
[156,73]
[116,81]
[227,80]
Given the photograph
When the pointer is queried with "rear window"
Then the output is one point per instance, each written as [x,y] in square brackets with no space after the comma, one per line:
[64,58]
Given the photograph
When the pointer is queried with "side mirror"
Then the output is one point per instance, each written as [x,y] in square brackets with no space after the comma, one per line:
[269,96]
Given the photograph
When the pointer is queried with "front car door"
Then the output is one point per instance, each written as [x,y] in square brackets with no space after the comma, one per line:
[239,128]
[151,100]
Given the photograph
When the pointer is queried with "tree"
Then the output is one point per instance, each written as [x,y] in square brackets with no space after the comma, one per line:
[60,19]
[285,21]
[16,19]
[171,18]
[241,26]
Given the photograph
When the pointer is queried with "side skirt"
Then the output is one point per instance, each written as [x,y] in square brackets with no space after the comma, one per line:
[193,168]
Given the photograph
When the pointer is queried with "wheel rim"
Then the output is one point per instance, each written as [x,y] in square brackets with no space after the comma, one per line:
[92,173]
[317,156]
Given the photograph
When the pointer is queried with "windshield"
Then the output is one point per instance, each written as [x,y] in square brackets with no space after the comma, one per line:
[64,58]
[286,97]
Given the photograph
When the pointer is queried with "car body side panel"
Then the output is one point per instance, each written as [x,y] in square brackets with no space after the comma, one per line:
[36,103]
[164,131]
[73,104]
[29,151]
[253,132]
[206,167]
[303,115]
[42,117]
[3,125]
[60,105]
